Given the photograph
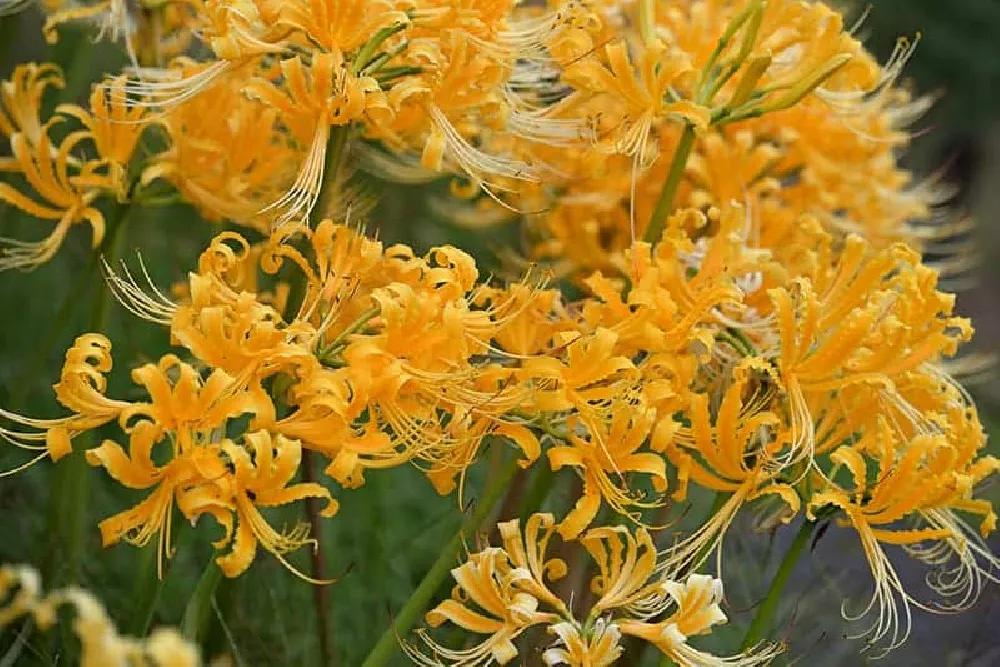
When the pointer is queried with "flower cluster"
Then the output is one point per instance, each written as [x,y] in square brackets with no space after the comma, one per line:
[751,311]
[502,592]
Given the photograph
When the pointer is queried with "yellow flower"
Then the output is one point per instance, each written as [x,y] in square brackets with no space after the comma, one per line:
[866,318]
[339,25]
[263,470]
[183,415]
[925,479]
[21,103]
[740,455]
[330,95]
[598,648]
[112,125]
[68,198]
[645,98]
[214,159]
[509,585]
[100,643]
[81,389]
[497,594]
[697,611]
[609,452]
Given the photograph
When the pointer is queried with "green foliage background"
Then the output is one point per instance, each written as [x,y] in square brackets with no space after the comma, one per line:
[389,532]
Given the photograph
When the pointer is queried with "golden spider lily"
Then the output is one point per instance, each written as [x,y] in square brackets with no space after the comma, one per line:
[585,382]
[100,643]
[67,199]
[113,127]
[21,103]
[435,111]
[501,592]
[739,455]
[925,479]
[645,99]
[64,187]
[263,470]
[238,34]
[340,25]
[669,307]
[213,159]
[608,455]
[498,593]
[183,416]
[697,611]
[598,648]
[331,95]
[866,318]
[81,389]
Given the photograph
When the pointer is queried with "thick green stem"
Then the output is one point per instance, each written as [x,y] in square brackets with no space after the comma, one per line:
[339,135]
[198,612]
[770,604]
[148,582]
[665,204]
[68,528]
[410,614]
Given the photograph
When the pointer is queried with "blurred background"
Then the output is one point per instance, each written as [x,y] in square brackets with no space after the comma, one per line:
[389,531]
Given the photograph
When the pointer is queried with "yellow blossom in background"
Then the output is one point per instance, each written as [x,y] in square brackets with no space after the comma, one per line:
[21,597]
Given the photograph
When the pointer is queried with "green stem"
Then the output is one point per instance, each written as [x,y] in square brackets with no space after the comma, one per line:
[147,584]
[68,513]
[410,614]
[331,169]
[198,612]
[770,604]
[665,204]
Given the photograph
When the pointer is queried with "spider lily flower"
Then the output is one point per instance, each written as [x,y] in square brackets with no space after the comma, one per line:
[184,413]
[697,611]
[584,382]
[439,111]
[81,389]
[238,34]
[868,319]
[340,25]
[739,455]
[21,103]
[645,99]
[263,470]
[601,647]
[309,105]
[609,453]
[925,479]
[213,159]
[113,126]
[499,592]
[68,199]
[502,591]
[100,642]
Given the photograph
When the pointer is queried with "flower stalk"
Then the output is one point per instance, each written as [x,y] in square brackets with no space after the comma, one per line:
[665,202]
[765,613]
[411,612]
